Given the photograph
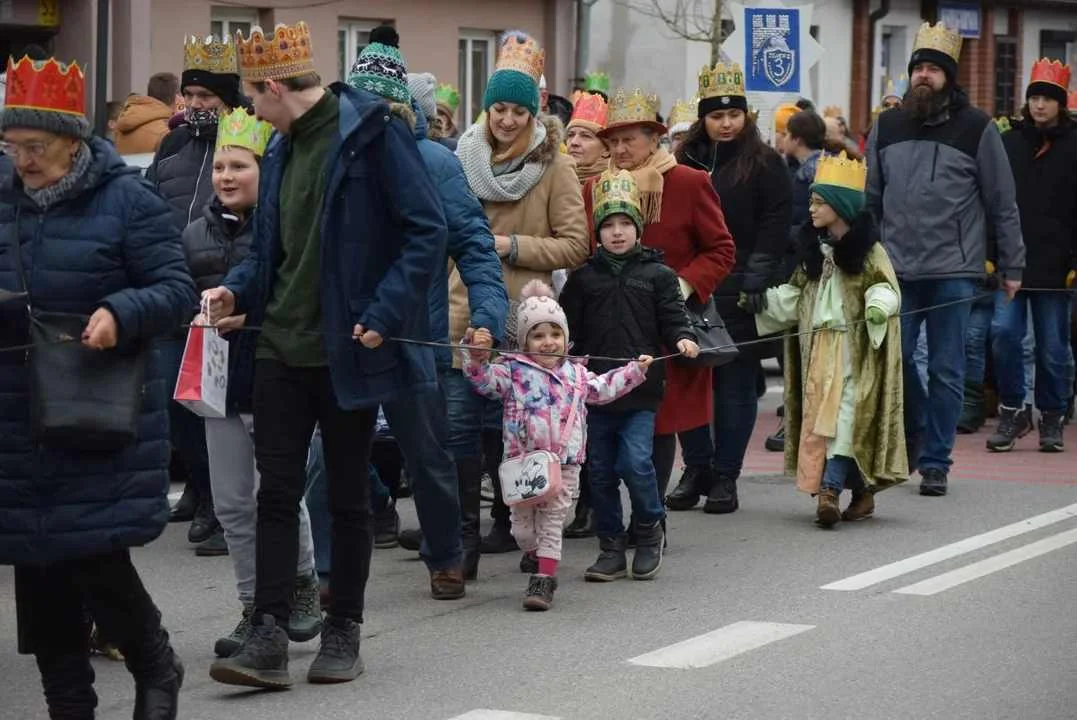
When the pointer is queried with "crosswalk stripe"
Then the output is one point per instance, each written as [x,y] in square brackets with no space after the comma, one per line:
[501,715]
[952,579]
[718,645]
[946,552]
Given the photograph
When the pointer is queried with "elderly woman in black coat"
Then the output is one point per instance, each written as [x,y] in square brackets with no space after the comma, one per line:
[83,235]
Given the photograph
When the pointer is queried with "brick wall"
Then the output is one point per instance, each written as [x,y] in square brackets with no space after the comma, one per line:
[860,100]
[976,72]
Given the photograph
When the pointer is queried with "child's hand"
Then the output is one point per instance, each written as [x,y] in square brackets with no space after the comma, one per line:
[645,362]
[875,316]
[479,338]
[688,348]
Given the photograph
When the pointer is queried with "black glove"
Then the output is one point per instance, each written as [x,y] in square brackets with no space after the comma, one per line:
[754,302]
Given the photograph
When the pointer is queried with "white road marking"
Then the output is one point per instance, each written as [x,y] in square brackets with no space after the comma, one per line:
[952,579]
[501,715]
[721,644]
[946,552]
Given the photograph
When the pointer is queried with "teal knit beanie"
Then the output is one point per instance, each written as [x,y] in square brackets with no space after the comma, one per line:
[847,203]
[512,86]
[380,68]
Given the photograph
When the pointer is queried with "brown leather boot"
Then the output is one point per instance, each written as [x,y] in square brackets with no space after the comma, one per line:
[828,513]
[861,507]
[447,584]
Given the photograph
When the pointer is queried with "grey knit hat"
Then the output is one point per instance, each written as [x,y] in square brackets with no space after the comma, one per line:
[60,123]
[422,87]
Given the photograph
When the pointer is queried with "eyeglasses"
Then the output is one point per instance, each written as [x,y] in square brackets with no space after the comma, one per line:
[34,149]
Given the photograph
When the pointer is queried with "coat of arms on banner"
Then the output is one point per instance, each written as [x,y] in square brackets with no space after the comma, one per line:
[773,60]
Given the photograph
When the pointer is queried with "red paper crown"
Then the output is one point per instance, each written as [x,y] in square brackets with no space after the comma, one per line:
[1051,71]
[590,111]
[1072,104]
[46,85]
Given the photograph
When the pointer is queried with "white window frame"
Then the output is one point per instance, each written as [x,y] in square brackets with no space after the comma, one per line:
[471,37]
[352,26]
[227,16]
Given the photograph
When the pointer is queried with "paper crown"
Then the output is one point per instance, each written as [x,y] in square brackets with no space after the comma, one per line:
[45,85]
[724,79]
[841,171]
[210,54]
[597,82]
[520,52]
[286,53]
[634,109]
[1051,71]
[897,89]
[591,111]
[241,129]
[832,111]
[448,96]
[684,111]
[938,37]
[616,192]
[782,115]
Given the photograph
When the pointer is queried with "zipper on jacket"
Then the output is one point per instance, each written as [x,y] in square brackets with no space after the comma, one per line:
[934,162]
[197,184]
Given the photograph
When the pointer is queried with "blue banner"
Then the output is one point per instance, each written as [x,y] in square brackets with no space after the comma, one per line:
[772,50]
[964,17]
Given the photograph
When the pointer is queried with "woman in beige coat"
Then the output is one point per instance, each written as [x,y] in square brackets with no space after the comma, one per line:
[532,198]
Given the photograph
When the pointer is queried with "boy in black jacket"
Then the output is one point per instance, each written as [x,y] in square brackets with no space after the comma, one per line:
[623,303]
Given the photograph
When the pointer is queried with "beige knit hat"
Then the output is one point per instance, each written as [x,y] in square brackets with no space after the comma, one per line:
[538,305]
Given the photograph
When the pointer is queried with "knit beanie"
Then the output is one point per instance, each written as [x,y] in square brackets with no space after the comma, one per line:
[538,305]
[510,82]
[223,85]
[1047,89]
[58,123]
[847,202]
[380,68]
[422,87]
[935,57]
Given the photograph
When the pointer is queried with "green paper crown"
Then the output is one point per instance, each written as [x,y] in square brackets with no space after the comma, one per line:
[597,82]
[239,129]
[614,193]
[448,96]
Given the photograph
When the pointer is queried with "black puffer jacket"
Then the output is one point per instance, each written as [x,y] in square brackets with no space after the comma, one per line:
[1045,172]
[759,214]
[215,243]
[182,171]
[636,312]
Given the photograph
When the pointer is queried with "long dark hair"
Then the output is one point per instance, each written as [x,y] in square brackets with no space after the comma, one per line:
[751,159]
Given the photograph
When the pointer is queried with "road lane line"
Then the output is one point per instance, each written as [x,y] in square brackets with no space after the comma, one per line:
[721,644]
[952,579]
[946,552]
[501,715]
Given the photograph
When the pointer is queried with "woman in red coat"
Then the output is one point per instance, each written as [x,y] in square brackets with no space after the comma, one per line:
[684,220]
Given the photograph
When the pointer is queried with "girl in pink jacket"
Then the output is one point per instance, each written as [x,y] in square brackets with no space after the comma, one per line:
[539,393]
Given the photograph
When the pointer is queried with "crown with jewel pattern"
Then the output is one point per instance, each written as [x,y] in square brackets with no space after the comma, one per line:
[210,54]
[45,85]
[938,37]
[684,112]
[841,171]
[634,108]
[597,82]
[723,80]
[241,129]
[591,112]
[616,192]
[1051,71]
[286,53]
[522,53]
[448,96]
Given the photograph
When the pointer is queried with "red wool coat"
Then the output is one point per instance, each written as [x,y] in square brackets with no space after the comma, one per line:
[693,236]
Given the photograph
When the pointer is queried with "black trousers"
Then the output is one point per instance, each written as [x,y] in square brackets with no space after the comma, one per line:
[288,403]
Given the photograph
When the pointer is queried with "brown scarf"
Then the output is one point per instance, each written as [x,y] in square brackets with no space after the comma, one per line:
[586,172]
[649,180]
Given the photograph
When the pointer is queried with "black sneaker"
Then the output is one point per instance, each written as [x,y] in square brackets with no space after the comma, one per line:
[695,481]
[540,589]
[262,660]
[411,539]
[305,622]
[528,564]
[776,442]
[387,527]
[932,482]
[227,646]
[1051,432]
[204,523]
[611,563]
[1013,423]
[215,546]
[500,540]
[338,658]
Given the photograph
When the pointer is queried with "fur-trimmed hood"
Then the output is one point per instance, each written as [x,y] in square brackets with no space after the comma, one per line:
[551,147]
[849,253]
[404,112]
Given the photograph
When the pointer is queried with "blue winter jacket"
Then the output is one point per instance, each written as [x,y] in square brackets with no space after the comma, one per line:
[383,238]
[111,242]
[470,246]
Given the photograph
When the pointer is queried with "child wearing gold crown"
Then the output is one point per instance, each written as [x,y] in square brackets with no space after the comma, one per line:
[843,371]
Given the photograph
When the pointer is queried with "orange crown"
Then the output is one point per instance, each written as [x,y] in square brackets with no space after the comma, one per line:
[46,85]
[591,112]
[286,53]
[1051,71]
[520,52]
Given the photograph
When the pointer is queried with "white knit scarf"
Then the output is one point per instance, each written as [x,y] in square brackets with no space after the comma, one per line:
[476,151]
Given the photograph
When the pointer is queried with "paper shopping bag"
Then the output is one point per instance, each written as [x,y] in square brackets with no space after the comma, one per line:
[202,386]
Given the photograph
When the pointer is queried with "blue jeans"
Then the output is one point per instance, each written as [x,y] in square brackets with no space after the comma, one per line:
[841,471]
[187,430]
[977,338]
[469,415]
[1053,356]
[619,445]
[931,416]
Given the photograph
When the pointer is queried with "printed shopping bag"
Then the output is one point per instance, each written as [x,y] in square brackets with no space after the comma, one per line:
[202,386]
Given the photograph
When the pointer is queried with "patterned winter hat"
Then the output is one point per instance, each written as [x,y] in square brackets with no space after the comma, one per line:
[380,68]
[538,304]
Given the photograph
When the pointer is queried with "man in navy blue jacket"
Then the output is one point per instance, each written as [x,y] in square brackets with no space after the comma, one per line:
[348,232]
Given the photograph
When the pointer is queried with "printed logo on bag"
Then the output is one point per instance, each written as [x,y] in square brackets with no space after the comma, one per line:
[532,480]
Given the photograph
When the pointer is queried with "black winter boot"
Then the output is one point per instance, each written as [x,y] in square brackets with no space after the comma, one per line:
[723,496]
[204,523]
[695,481]
[1013,423]
[469,482]
[387,527]
[158,673]
[648,557]
[1051,432]
[612,563]
[540,590]
[973,414]
[67,680]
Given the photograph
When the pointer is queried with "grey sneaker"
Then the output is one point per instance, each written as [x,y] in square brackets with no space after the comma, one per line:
[261,661]
[338,658]
[306,620]
[1013,424]
[227,646]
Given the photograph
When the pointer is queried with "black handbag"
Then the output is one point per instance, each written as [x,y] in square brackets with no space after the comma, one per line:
[715,343]
[80,398]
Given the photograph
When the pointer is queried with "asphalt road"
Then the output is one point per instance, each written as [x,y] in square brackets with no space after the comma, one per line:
[981,631]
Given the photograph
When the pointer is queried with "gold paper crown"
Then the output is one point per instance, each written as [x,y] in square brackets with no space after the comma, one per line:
[210,54]
[616,192]
[722,80]
[633,109]
[520,52]
[684,111]
[841,171]
[286,53]
[241,129]
[938,37]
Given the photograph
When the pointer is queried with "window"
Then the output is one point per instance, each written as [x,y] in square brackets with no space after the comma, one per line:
[1056,44]
[225,21]
[476,64]
[1005,75]
[352,37]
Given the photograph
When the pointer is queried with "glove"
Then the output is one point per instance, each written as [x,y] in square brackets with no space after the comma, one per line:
[753,303]
[875,316]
